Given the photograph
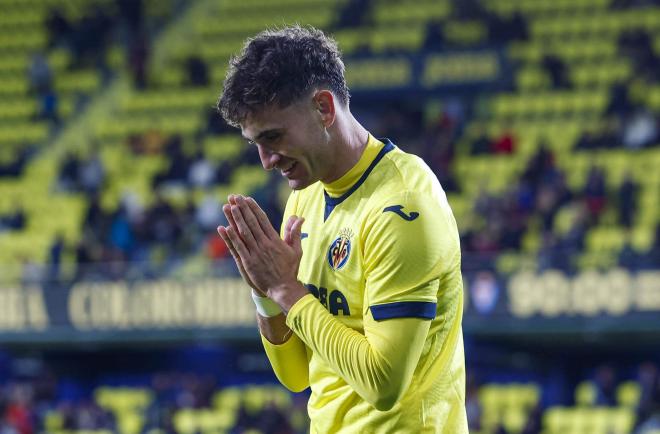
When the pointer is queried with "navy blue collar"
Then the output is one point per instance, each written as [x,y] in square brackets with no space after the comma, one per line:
[332,202]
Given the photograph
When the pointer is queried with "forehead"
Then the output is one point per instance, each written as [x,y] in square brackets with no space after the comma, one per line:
[272,118]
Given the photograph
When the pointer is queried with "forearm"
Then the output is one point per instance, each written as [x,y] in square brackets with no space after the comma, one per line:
[286,352]
[379,366]
[274,328]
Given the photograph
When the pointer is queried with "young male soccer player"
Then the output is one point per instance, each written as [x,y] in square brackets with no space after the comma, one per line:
[361,296]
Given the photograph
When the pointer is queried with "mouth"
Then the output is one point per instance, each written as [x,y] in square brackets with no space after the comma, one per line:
[288,170]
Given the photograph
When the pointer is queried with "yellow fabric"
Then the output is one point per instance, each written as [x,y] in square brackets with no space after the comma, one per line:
[374,365]
[289,362]
[336,188]
[371,363]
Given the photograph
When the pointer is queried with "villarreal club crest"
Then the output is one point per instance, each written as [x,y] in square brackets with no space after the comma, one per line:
[340,249]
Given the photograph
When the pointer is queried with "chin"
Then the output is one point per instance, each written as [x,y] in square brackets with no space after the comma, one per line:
[299,184]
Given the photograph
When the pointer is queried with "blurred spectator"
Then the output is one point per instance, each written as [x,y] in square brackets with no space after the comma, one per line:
[551,196]
[90,38]
[55,258]
[540,168]
[59,28]
[640,131]
[15,166]
[138,60]
[534,421]
[69,168]
[215,124]
[434,39]
[595,194]
[518,26]
[131,13]
[353,13]
[121,233]
[606,137]
[620,103]
[557,71]
[502,29]
[49,102]
[216,249]
[85,255]
[628,257]
[201,173]
[18,411]
[91,174]
[40,75]
[198,74]
[654,251]
[31,274]
[627,200]
[638,45]
[504,144]
[209,212]
[605,382]
[648,410]
[147,143]
[481,144]
[95,217]
[14,220]
[163,225]
[179,167]
[223,172]
[551,256]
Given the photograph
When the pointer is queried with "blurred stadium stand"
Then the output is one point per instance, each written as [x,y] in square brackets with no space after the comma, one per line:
[541,118]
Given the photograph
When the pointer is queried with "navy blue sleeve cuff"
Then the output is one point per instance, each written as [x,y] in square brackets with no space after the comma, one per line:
[404,309]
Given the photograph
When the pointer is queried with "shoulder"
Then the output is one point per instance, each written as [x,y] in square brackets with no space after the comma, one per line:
[408,206]
[406,180]
[399,171]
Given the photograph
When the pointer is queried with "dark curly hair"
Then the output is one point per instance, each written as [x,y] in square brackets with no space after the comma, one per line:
[279,67]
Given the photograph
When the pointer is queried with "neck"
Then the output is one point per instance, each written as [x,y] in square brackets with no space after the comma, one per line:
[349,139]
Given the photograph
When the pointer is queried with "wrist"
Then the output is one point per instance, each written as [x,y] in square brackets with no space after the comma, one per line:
[266,307]
[287,294]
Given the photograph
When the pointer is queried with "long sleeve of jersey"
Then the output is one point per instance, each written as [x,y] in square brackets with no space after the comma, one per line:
[289,362]
[378,365]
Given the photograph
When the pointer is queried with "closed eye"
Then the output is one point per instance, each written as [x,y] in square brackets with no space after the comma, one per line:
[271,137]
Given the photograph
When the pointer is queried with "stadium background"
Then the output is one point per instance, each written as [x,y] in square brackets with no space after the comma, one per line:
[119,308]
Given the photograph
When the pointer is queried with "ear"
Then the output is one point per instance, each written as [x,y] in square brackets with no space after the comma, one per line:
[325,105]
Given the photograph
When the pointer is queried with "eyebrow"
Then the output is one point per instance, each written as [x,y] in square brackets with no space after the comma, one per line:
[263,134]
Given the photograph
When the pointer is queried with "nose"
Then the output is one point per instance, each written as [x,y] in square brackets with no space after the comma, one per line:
[268,158]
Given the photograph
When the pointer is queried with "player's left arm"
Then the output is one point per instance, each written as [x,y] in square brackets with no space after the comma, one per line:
[378,364]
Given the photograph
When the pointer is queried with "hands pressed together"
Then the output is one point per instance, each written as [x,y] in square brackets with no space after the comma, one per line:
[268,263]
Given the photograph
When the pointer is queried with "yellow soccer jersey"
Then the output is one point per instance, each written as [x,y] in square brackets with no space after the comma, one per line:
[379,338]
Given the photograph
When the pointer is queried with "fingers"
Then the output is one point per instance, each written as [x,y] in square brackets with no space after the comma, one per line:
[243,229]
[235,219]
[262,218]
[296,230]
[240,250]
[251,219]
[287,229]
[223,232]
[226,209]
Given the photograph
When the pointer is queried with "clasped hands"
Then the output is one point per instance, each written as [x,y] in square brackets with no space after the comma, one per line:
[268,263]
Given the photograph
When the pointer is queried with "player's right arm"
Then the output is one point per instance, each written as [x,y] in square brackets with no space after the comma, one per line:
[286,352]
